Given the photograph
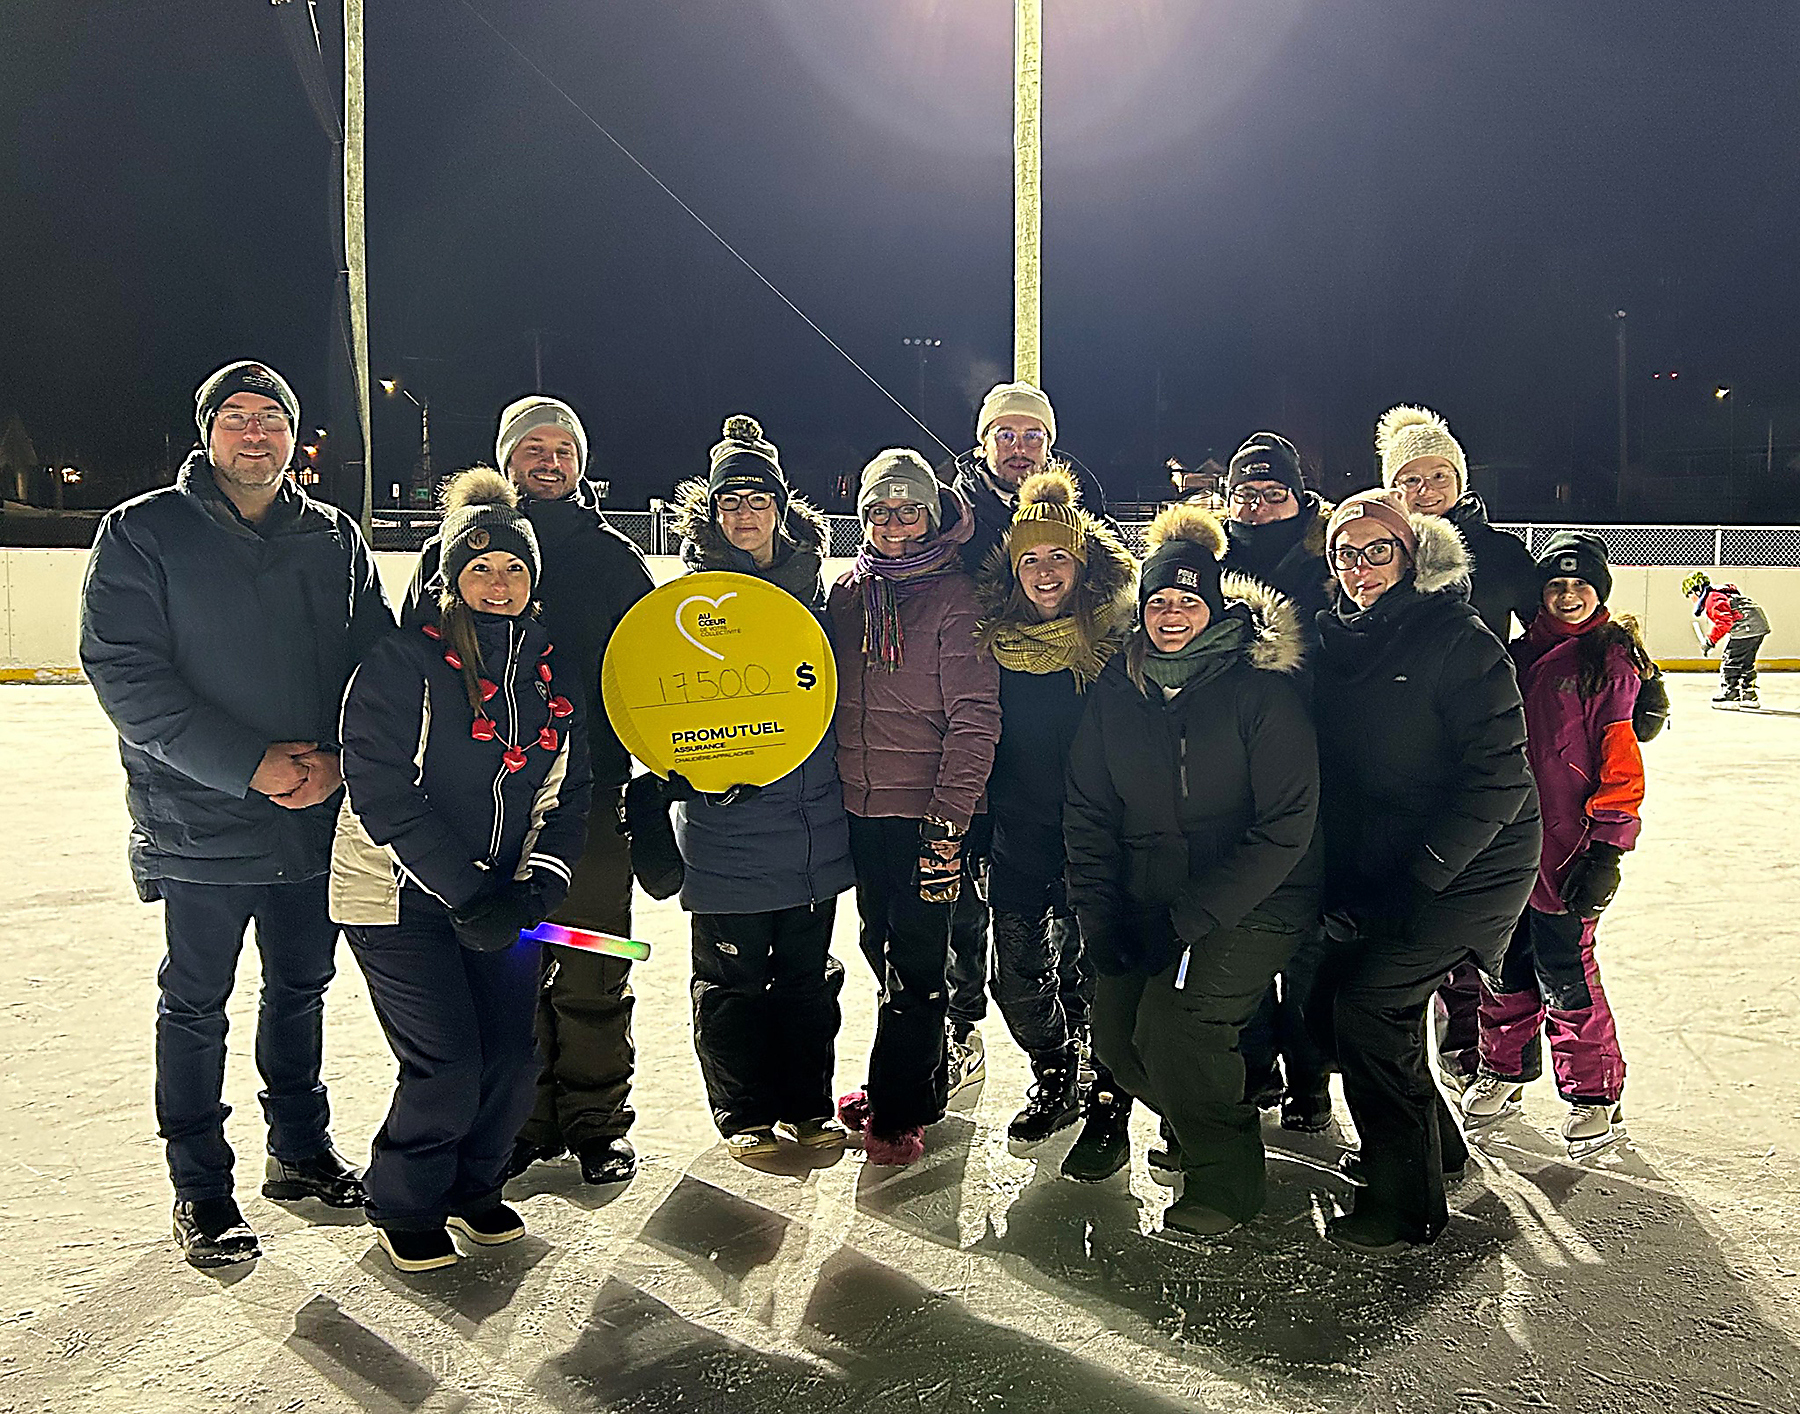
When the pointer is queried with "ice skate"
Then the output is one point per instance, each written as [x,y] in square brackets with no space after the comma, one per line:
[1490,1099]
[1728,698]
[1591,1128]
[1748,700]
[967,1060]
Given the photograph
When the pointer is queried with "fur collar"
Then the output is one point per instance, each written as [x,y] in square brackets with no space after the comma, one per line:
[1442,560]
[1276,644]
[804,527]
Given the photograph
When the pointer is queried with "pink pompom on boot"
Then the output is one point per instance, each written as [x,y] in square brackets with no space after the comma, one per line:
[853,1111]
[895,1150]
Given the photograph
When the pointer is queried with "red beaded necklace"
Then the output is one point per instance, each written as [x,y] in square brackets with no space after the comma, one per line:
[484,728]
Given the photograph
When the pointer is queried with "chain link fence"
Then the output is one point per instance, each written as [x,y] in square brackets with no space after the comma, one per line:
[1740,546]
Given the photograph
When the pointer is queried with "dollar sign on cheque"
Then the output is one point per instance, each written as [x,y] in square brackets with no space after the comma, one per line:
[805,676]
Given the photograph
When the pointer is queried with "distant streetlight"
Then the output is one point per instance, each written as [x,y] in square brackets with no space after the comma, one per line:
[1723,394]
[391,386]
[919,346]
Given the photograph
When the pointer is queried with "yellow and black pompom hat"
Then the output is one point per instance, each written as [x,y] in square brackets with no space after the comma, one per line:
[1046,516]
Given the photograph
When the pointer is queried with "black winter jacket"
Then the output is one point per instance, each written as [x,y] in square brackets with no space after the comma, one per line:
[430,807]
[592,574]
[1504,582]
[207,639]
[993,516]
[1201,808]
[1422,759]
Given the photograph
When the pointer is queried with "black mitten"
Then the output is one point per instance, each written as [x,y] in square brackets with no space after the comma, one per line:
[1592,881]
[494,920]
[655,859]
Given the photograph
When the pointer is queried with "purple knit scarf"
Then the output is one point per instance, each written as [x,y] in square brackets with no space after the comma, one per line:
[885,582]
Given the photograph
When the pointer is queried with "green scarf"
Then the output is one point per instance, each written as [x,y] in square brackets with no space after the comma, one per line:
[1214,649]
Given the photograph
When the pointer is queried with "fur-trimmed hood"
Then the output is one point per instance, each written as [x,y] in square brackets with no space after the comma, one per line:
[804,526]
[1276,643]
[1106,593]
[1441,562]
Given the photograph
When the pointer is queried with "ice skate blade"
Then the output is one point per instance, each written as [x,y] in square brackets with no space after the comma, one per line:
[1581,1149]
[1507,1111]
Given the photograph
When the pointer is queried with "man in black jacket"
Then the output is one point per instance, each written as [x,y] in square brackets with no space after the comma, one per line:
[591,576]
[221,618]
[1421,460]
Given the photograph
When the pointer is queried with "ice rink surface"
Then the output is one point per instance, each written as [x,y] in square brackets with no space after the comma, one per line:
[1663,1275]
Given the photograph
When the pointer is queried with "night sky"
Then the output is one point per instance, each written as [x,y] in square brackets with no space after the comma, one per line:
[1295,212]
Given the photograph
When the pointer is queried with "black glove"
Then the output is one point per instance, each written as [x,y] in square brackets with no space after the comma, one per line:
[545,891]
[940,861]
[680,787]
[655,860]
[493,921]
[1592,880]
[1651,714]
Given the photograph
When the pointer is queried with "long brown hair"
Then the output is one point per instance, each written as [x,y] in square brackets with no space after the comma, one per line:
[1592,650]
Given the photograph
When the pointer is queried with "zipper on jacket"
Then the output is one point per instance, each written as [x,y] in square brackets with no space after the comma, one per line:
[1181,759]
[512,723]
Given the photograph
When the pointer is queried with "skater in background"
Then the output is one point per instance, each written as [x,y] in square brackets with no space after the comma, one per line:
[1579,672]
[592,576]
[1426,465]
[1430,824]
[763,868]
[1725,613]
[1193,791]
[1276,536]
[220,620]
[1058,598]
[917,718]
[467,796]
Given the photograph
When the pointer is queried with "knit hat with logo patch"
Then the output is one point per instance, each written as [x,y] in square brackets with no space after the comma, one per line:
[1575,554]
[743,460]
[481,514]
[899,473]
[528,414]
[1266,456]
[244,376]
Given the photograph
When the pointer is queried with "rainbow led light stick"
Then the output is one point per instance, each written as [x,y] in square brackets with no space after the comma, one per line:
[582,939]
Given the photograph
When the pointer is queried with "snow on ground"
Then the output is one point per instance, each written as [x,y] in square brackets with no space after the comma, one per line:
[1662,1275]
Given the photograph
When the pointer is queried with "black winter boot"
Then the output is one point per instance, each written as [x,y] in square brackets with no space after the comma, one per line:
[1104,1144]
[1050,1104]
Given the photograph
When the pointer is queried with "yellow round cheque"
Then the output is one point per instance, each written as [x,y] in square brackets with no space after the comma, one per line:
[722,677]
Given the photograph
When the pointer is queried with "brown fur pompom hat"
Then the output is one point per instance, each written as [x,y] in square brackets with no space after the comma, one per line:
[1186,541]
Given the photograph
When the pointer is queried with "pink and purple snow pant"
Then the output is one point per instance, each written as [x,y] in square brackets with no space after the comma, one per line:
[1549,981]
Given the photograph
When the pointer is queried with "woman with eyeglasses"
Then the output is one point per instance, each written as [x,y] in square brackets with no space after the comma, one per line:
[762,870]
[1193,787]
[918,717]
[1431,834]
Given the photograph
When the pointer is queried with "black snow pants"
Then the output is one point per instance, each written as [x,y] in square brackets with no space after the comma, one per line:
[766,1014]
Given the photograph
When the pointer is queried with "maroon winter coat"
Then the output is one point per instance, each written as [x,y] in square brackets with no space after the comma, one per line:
[919,740]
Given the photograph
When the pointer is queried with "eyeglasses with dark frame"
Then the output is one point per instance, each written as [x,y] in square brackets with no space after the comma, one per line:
[1247,496]
[745,501]
[1376,552]
[909,514]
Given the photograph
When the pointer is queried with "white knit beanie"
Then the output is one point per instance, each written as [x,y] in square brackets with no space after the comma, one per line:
[1406,433]
[1014,400]
[533,412]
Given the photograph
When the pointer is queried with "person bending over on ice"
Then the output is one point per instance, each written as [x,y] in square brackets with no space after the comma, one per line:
[763,869]
[918,714]
[1193,790]
[1430,823]
[1724,613]
[467,797]
[1058,595]
[1579,671]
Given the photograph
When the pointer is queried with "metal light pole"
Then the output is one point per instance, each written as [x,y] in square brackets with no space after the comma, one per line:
[355,249]
[1028,92]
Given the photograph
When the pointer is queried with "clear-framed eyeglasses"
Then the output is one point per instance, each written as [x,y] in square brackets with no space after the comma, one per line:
[1376,552]
[1032,439]
[1413,482]
[1248,496]
[746,501]
[910,514]
[235,421]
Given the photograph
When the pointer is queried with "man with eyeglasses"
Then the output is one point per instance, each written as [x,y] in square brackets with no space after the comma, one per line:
[1423,462]
[1014,432]
[1276,536]
[591,575]
[221,618]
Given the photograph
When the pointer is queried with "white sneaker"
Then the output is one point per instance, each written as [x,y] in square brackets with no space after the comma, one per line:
[967,1060]
[1590,1128]
[1489,1098]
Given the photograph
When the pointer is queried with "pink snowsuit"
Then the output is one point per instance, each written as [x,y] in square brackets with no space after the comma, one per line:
[1590,778]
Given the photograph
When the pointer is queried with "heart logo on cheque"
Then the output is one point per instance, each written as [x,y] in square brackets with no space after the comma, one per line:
[681,628]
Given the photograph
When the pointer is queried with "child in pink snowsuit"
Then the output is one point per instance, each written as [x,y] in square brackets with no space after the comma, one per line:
[1579,673]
